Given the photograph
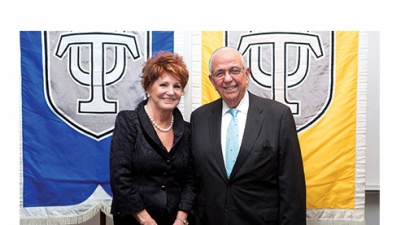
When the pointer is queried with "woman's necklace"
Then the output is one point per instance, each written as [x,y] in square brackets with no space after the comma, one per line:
[158,126]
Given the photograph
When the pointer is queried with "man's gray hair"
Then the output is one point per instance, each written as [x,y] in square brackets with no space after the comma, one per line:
[244,63]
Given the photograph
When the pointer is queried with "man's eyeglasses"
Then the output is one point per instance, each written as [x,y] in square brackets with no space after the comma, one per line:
[233,71]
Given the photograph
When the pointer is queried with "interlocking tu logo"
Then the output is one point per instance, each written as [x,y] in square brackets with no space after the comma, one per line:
[91,76]
[97,78]
[279,78]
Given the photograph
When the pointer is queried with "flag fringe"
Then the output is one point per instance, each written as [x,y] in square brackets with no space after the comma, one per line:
[334,222]
[64,220]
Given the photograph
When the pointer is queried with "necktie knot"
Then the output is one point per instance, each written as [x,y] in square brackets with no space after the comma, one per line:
[233,112]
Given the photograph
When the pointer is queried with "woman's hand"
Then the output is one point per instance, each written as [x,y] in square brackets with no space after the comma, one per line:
[144,218]
[181,218]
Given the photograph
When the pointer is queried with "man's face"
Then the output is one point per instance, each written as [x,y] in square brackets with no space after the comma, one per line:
[228,76]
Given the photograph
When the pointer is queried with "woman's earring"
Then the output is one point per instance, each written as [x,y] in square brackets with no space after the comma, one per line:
[147,95]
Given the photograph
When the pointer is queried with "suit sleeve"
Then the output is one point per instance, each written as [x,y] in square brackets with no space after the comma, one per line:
[126,199]
[292,186]
[189,189]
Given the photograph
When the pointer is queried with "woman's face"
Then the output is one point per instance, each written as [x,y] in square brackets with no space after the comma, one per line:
[165,93]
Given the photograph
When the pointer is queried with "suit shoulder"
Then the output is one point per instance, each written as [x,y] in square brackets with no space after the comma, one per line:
[270,104]
[126,117]
[203,112]
[206,107]
[264,100]
[127,113]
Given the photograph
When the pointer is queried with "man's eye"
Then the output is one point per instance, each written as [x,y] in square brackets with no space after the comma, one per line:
[234,71]
[219,73]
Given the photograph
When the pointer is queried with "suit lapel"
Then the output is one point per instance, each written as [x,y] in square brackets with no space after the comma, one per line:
[215,135]
[253,125]
[151,133]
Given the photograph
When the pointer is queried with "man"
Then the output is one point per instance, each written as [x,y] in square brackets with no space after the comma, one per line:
[266,184]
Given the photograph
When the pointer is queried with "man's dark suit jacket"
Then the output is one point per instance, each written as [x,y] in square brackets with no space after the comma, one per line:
[267,184]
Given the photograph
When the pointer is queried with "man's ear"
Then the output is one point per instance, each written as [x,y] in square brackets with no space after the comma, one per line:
[211,79]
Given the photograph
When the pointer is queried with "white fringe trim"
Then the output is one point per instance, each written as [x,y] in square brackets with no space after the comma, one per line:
[62,220]
[334,222]
[98,202]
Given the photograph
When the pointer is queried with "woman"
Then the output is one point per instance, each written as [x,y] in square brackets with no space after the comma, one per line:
[151,170]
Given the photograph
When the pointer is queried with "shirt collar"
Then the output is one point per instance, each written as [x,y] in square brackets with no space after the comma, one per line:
[243,106]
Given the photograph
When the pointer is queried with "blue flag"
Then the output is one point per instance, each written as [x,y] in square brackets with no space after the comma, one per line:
[73,86]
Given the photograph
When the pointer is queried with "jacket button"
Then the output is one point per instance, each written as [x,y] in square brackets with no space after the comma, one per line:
[163,188]
[168,161]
